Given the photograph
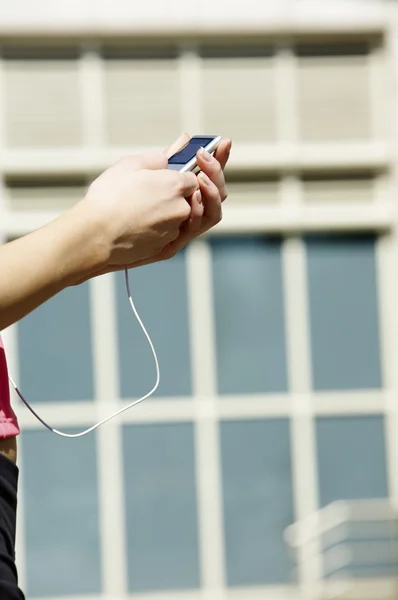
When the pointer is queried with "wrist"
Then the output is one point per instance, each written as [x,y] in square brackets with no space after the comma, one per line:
[85,247]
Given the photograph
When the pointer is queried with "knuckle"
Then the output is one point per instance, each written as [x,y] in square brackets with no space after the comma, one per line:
[184,211]
[177,183]
[170,251]
[189,180]
[183,181]
[192,179]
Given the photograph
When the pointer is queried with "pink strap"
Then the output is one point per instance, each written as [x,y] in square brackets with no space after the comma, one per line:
[8,421]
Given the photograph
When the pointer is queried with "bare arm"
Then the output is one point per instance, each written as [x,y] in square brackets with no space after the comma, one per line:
[36,267]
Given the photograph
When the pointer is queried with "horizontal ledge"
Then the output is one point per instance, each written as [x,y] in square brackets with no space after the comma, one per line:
[180,18]
[264,219]
[277,219]
[277,592]
[269,157]
[312,156]
[238,407]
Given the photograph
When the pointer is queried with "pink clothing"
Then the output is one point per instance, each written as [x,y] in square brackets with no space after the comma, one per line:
[8,421]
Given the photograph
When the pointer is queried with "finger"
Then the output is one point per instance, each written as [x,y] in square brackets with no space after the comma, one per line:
[223,151]
[193,225]
[178,144]
[189,183]
[212,168]
[211,200]
[188,230]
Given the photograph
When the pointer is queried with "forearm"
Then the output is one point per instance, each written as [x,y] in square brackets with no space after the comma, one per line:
[37,266]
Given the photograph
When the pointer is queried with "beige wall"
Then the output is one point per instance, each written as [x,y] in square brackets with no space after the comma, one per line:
[259,93]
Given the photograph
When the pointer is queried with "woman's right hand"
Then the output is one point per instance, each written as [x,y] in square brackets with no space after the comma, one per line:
[129,214]
[139,206]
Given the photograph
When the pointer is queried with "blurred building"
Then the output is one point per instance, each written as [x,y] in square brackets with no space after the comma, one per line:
[277,335]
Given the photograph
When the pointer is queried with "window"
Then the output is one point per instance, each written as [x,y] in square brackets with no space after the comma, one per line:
[257,490]
[135,81]
[351,458]
[334,93]
[42,98]
[160,500]
[327,189]
[160,294]
[55,349]
[238,93]
[61,515]
[249,320]
[343,311]
[49,193]
[252,190]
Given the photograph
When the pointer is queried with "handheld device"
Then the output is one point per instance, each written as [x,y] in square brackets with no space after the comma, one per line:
[185,159]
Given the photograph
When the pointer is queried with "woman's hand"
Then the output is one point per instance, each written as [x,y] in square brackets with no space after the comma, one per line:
[140,206]
[207,205]
[135,213]
[159,211]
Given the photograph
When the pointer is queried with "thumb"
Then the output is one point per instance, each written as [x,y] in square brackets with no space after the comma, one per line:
[178,144]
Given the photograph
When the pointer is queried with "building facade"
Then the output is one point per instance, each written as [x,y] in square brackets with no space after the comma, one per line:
[277,334]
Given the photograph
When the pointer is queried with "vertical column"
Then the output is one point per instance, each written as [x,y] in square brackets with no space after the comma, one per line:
[207,447]
[104,343]
[190,89]
[303,443]
[379,91]
[92,96]
[207,457]
[207,444]
[387,263]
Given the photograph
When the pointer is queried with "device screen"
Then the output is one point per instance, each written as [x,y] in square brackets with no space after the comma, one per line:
[189,151]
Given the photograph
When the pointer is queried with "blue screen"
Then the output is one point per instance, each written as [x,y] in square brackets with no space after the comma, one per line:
[189,151]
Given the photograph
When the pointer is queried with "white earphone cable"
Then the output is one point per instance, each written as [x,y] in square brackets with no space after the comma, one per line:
[153,390]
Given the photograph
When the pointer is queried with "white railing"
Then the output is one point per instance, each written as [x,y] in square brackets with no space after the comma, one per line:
[352,551]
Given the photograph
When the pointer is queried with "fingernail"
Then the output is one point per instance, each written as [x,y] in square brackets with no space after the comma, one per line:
[206,180]
[198,197]
[205,155]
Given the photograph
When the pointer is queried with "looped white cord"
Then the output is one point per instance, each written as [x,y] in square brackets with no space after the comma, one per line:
[153,390]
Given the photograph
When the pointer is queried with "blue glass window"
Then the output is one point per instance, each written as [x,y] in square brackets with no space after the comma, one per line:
[160,294]
[54,342]
[258,500]
[249,315]
[343,311]
[61,515]
[160,500]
